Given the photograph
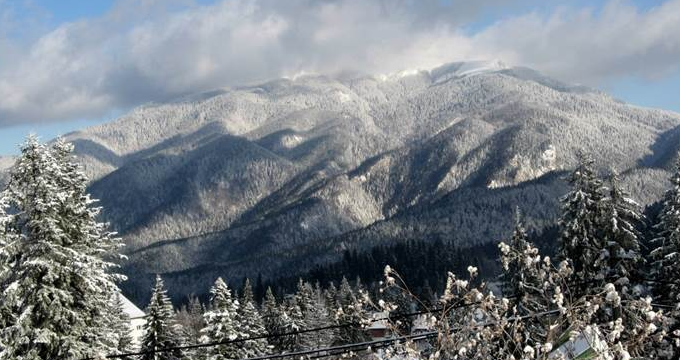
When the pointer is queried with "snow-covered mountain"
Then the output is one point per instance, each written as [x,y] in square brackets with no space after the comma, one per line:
[276,177]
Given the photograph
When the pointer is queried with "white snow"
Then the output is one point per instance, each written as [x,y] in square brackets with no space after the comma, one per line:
[449,70]
[131,309]
[344,97]
[574,348]
[291,141]
[467,68]
[477,67]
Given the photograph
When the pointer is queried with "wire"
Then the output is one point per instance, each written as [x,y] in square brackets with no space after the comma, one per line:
[367,344]
[304,331]
[339,347]
[279,335]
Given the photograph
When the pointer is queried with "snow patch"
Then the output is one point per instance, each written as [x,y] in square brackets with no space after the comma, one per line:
[524,168]
[464,69]
[344,97]
[131,309]
[291,141]
[477,67]
[550,156]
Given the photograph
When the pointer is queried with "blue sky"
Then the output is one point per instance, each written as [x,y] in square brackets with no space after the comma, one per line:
[67,64]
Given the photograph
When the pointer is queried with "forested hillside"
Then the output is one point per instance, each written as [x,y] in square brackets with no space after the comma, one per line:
[224,183]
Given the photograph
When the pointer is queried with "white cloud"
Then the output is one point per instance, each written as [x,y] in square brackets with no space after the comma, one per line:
[588,46]
[150,51]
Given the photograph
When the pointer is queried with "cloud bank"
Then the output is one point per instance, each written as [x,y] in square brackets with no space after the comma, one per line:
[143,51]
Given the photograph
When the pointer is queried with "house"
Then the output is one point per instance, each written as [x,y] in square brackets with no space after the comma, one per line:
[584,345]
[137,320]
[379,328]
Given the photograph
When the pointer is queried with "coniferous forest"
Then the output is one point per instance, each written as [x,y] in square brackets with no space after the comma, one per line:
[602,283]
[339,180]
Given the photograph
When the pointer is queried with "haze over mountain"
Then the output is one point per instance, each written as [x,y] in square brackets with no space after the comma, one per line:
[272,178]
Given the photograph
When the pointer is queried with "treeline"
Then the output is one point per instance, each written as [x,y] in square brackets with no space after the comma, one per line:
[423,264]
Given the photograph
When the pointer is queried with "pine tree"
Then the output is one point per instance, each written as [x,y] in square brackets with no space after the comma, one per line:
[121,327]
[350,311]
[272,318]
[57,285]
[620,217]
[580,242]
[666,255]
[221,323]
[270,312]
[251,324]
[331,295]
[512,259]
[292,320]
[317,316]
[303,295]
[161,330]
[190,316]
[8,236]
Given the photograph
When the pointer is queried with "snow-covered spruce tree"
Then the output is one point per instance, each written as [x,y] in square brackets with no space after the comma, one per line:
[57,286]
[291,321]
[221,324]
[350,312]
[8,235]
[190,317]
[620,217]
[331,296]
[121,327]
[303,295]
[316,315]
[161,330]
[251,324]
[270,312]
[666,256]
[580,242]
[271,316]
[512,259]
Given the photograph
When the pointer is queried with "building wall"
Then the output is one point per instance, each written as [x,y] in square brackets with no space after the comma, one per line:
[137,330]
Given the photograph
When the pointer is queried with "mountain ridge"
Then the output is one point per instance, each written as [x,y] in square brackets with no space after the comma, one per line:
[287,173]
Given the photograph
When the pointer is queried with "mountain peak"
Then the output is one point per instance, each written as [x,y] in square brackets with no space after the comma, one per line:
[466,68]
[450,70]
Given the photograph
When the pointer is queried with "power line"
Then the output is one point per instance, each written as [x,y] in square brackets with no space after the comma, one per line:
[279,335]
[367,344]
[346,347]
[193,346]
[327,352]
[330,327]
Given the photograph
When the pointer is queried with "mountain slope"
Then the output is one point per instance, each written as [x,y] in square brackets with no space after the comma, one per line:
[279,176]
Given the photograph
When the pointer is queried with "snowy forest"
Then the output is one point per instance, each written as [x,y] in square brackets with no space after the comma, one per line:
[611,291]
